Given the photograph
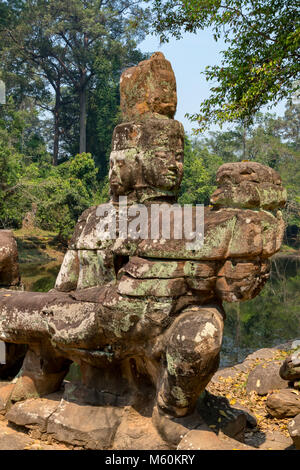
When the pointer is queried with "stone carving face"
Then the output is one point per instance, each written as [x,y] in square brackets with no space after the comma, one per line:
[147,156]
[163,169]
[159,169]
[123,171]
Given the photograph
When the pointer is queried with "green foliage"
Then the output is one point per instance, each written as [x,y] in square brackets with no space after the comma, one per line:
[64,194]
[261,63]
[103,196]
[60,193]
[10,173]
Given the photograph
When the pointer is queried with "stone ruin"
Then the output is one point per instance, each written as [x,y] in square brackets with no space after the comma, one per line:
[9,267]
[143,318]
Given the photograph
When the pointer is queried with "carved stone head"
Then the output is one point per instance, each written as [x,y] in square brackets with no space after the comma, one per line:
[162,169]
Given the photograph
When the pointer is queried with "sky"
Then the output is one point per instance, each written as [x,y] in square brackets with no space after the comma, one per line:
[189,56]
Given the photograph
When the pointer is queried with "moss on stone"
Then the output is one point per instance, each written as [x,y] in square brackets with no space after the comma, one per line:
[181,399]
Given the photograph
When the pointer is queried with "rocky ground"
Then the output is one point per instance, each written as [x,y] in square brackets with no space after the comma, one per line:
[233,407]
[15,438]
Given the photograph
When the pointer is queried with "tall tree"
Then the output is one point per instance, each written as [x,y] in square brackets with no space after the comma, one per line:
[261,64]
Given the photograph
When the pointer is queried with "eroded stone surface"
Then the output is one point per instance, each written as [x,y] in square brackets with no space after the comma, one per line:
[137,432]
[204,439]
[149,88]
[83,425]
[32,413]
[143,316]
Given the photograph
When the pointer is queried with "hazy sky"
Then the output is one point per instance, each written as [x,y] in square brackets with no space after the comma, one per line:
[189,56]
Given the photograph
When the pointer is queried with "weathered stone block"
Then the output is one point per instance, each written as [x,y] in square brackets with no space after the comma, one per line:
[249,194]
[67,278]
[32,413]
[5,394]
[88,234]
[246,171]
[265,378]
[142,268]
[147,136]
[95,268]
[284,403]
[153,287]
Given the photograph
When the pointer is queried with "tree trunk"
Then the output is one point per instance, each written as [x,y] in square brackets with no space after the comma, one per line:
[83,102]
[56,124]
[244,140]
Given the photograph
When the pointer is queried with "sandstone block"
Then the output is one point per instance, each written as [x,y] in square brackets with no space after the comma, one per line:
[204,439]
[95,268]
[154,287]
[32,413]
[250,195]
[265,378]
[91,427]
[153,134]
[68,275]
[141,268]
[246,171]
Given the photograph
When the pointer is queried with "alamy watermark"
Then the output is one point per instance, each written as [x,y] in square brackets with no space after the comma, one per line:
[155,222]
